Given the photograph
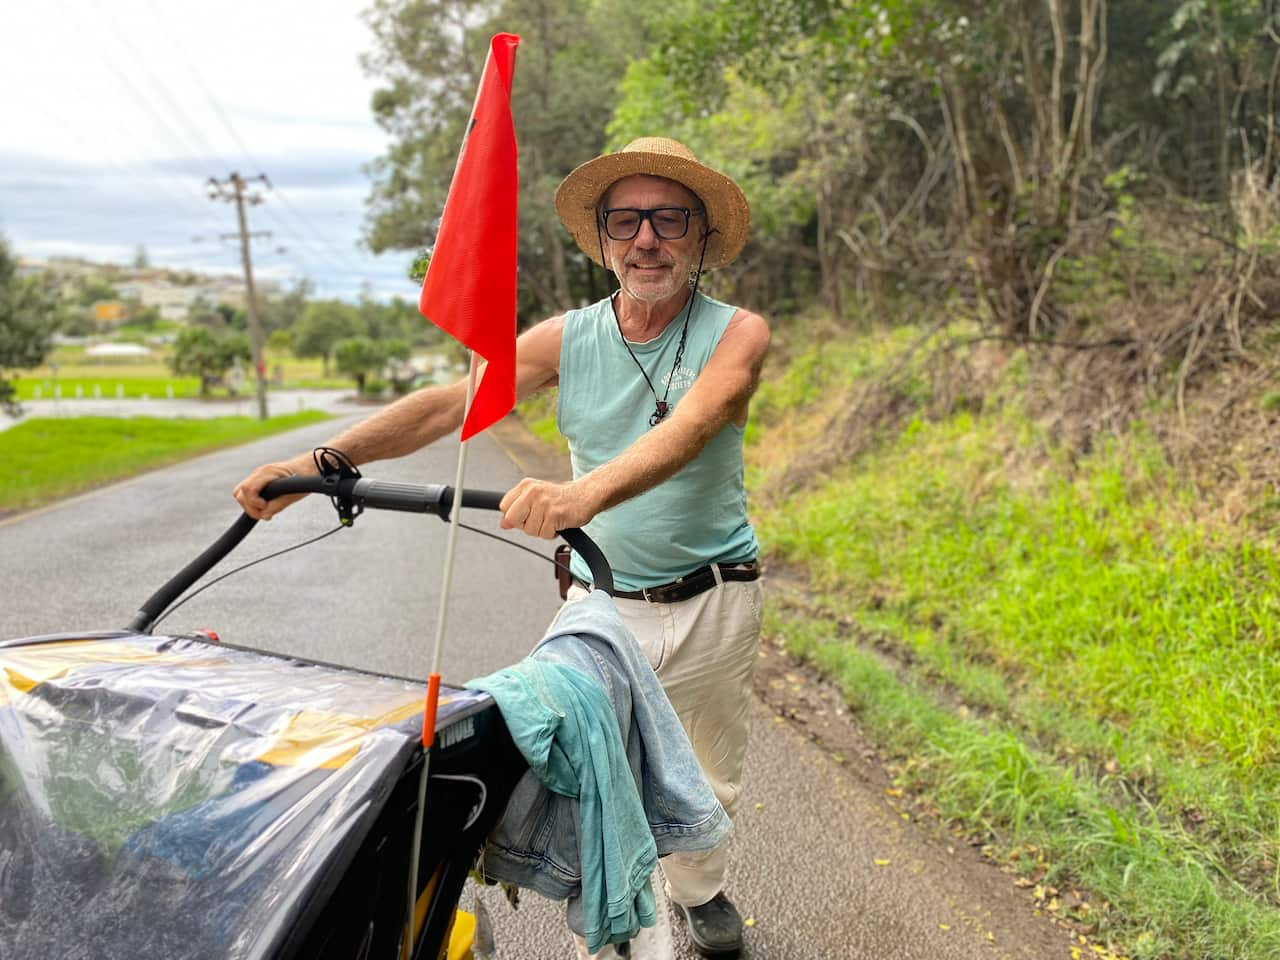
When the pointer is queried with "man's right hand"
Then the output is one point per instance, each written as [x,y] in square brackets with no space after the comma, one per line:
[248,492]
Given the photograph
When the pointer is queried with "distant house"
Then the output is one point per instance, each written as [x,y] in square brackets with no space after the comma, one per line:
[171,292]
[171,300]
[108,311]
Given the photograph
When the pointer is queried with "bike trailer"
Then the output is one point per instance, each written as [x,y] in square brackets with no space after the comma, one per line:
[169,796]
[173,796]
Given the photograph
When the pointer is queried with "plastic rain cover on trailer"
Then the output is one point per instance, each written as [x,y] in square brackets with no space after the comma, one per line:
[169,797]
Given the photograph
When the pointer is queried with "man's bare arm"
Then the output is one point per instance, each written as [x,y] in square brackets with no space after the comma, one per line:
[721,394]
[411,422]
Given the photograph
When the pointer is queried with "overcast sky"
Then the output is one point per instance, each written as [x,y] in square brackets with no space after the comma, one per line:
[117,112]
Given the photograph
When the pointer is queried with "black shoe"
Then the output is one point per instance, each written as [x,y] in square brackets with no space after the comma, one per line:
[715,927]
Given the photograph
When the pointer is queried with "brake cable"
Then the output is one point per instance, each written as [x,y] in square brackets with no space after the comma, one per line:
[331,462]
[244,566]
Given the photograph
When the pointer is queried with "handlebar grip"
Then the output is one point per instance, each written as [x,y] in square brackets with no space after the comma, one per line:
[432,498]
[414,498]
[406,497]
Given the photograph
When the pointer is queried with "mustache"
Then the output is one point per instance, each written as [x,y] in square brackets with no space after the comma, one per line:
[648,262]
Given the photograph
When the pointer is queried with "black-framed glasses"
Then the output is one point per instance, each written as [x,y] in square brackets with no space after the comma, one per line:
[669,223]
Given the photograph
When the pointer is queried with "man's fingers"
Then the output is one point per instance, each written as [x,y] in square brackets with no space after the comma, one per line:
[273,507]
[548,530]
[248,493]
[511,517]
[537,507]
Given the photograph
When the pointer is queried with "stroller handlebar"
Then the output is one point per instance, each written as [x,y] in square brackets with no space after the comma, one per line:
[433,498]
[363,492]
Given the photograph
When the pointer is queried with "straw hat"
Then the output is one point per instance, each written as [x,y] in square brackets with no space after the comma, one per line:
[727,212]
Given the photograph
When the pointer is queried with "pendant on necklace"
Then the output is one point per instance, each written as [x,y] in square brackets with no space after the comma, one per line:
[659,414]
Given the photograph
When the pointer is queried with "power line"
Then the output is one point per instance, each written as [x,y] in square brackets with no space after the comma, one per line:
[158,180]
[159,87]
[306,236]
[173,135]
[129,86]
[339,258]
[163,21]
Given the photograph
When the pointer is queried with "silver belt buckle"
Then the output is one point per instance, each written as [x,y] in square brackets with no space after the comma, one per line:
[644,592]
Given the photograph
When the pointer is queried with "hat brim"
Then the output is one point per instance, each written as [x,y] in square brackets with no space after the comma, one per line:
[728,214]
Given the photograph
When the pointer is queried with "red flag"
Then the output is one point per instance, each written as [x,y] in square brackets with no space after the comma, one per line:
[470,287]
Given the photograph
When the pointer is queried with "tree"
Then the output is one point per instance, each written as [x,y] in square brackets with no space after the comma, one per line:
[358,357]
[28,321]
[280,341]
[282,312]
[146,318]
[203,312]
[1215,85]
[90,290]
[322,325]
[204,353]
[140,259]
[428,58]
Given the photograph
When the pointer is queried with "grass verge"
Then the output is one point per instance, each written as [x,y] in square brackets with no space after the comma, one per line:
[1062,660]
[539,414]
[48,459]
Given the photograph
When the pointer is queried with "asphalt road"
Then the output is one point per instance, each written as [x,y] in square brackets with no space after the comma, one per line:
[823,864]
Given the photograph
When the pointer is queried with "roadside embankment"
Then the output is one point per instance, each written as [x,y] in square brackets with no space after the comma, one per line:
[1060,648]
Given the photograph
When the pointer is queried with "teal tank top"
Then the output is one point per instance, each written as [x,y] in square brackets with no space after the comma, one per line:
[697,516]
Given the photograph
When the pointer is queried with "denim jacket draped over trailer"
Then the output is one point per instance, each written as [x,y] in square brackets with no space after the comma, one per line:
[613,782]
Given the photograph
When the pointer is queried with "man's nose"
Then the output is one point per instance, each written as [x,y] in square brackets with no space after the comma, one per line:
[646,239]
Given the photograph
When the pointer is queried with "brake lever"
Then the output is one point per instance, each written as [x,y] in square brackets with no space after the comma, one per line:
[335,466]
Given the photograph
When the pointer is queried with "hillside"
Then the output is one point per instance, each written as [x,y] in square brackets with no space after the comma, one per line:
[1044,576]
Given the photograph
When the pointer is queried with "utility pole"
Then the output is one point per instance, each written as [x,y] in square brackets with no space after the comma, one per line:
[233,189]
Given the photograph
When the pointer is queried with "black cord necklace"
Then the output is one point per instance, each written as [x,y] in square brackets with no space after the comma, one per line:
[660,406]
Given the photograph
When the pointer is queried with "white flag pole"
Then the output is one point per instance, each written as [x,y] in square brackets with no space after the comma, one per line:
[442,614]
[442,617]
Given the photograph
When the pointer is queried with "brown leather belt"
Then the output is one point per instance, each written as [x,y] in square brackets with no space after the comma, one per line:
[691,584]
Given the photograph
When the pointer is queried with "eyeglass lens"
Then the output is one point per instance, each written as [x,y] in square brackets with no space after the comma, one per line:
[669,223]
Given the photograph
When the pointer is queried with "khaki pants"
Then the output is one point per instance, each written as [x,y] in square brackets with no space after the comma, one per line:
[703,650]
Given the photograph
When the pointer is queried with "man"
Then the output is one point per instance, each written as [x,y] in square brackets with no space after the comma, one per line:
[654,385]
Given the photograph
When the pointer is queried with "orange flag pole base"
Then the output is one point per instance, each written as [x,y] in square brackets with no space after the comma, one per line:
[429,714]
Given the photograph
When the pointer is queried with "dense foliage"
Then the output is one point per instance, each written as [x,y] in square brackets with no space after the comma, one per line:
[26,322]
[208,354]
[970,147]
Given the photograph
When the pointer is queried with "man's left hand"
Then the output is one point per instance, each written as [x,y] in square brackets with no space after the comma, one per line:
[540,507]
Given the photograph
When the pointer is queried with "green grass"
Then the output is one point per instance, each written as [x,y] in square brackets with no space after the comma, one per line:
[47,459]
[1118,657]
[151,377]
[539,415]
[1167,892]
[319,383]
[108,387]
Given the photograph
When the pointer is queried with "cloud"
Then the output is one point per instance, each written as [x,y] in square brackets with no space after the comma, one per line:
[122,112]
